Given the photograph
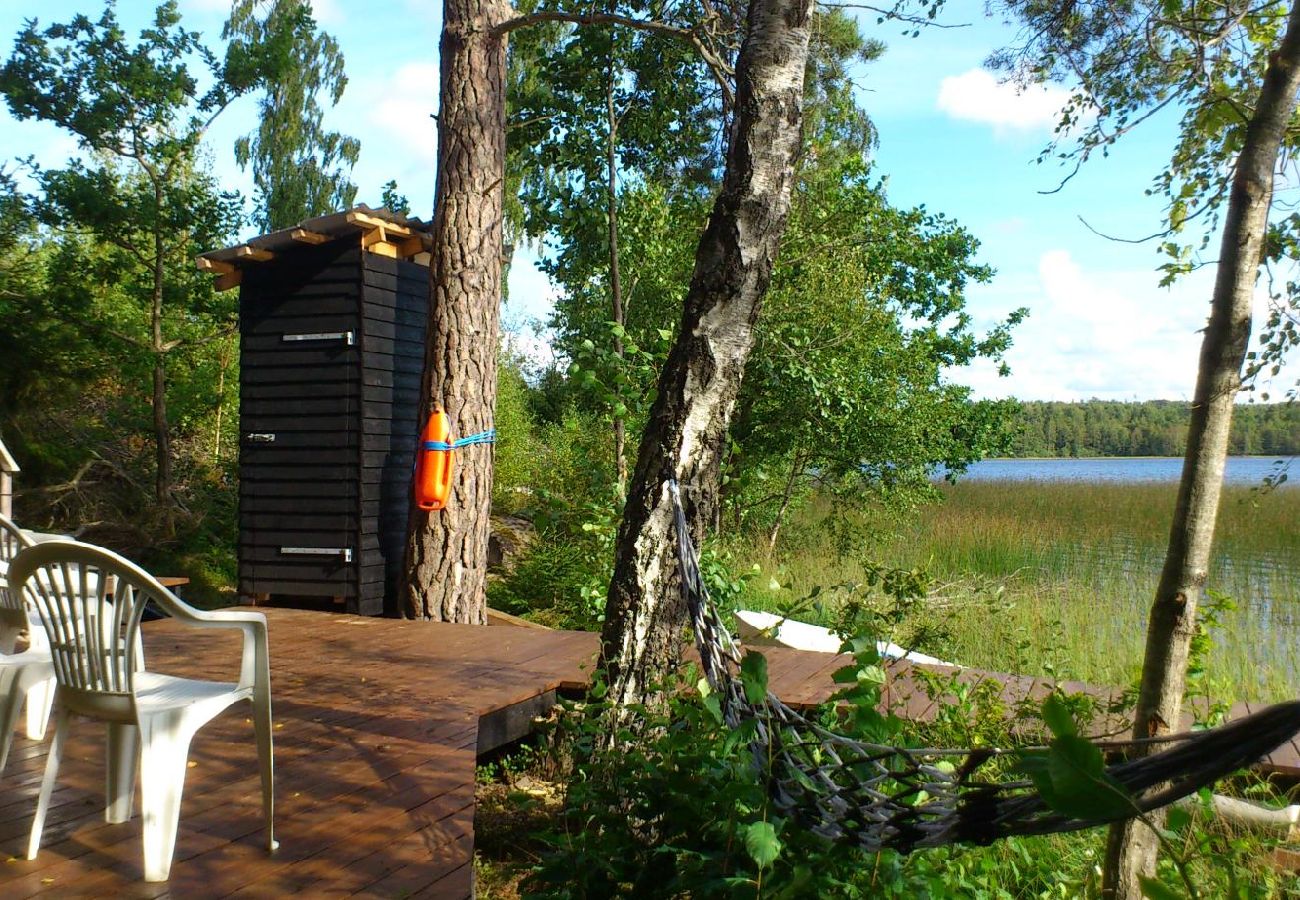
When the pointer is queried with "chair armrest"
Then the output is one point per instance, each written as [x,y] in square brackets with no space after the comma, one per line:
[255,667]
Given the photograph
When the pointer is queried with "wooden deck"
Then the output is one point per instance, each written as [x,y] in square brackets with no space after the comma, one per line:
[376,729]
[377,725]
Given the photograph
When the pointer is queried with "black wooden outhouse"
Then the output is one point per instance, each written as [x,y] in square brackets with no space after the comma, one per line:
[332,316]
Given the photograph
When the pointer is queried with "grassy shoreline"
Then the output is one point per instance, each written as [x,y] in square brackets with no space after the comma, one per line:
[1058,577]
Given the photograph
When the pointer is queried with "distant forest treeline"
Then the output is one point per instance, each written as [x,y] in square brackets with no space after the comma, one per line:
[1149,428]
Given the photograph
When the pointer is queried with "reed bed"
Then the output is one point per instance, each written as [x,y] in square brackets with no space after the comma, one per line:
[1057,577]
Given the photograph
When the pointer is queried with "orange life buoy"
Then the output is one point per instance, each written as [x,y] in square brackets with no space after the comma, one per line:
[433,463]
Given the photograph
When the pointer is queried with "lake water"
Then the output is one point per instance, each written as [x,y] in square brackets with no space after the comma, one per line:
[1267,628]
[1241,470]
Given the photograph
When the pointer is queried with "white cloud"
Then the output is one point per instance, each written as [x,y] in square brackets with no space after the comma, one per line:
[326,12]
[1115,335]
[532,295]
[976,96]
[528,308]
[206,6]
[1010,226]
[401,108]
[391,112]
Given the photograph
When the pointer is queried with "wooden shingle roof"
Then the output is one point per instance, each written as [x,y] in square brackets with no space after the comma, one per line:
[379,231]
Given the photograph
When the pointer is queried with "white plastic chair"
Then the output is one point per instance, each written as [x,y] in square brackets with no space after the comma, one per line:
[20,681]
[19,674]
[13,614]
[99,663]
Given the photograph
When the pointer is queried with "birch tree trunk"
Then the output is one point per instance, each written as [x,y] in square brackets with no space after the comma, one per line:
[644,617]
[446,556]
[1131,850]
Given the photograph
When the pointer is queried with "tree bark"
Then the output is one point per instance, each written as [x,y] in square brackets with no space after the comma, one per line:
[1132,847]
[615,278]
[796,469]
[683,439]
[446,557]
[161,430]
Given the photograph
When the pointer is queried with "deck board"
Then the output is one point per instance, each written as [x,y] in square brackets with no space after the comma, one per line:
[376,728]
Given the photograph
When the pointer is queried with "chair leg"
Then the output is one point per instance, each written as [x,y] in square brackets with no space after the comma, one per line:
[40,701]
[120,772]
[11,700]
[61,720]
[164,750]
[266,763]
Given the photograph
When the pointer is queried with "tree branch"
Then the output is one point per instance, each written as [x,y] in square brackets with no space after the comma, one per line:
[203,341]
[894,15]
[721,71]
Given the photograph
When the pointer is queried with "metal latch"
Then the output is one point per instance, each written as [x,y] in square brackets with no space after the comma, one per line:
[345,552]
[260,437]
[346,337]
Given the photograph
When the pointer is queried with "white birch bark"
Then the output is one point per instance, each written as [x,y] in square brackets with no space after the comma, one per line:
[1132,848]
[644,619]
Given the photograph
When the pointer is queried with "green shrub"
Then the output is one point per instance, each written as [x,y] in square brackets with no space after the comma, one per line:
[682,810]
[515,461]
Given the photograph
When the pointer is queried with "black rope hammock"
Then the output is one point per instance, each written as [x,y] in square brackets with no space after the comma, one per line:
[879,796]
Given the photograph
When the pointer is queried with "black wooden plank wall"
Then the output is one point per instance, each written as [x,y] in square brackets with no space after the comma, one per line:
[301,491]
[394,315]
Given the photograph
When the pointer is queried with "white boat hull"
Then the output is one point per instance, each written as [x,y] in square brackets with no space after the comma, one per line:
[769,628]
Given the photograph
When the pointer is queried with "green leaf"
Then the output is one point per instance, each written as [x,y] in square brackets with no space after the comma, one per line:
[762,843]
[1177,818]
[753,675]
[1059,719]
[1072,756]
[1157,890]
[871,674]
[862,644]
[1032,762]
[1079,783]
[714,706]
[845,675]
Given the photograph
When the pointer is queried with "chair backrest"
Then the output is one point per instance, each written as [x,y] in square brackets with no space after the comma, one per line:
[12,541]
[90,601]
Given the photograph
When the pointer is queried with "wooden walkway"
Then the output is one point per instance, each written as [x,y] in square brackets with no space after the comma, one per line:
[378,723]
[376,730]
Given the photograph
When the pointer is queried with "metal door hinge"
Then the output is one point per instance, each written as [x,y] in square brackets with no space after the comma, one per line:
[347,337]
[345,552]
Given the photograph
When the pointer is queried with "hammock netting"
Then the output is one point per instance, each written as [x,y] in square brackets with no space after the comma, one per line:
[878,796]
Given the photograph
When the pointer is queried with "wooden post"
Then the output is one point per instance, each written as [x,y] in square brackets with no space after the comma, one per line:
[8,468]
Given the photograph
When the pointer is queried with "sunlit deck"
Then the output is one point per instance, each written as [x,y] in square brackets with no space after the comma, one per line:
[376,728]
[378,724]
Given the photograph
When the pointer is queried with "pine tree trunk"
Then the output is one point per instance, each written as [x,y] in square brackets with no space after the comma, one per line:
[1132,848]
[163,492]
[615,277]
[446,556]
[644,616]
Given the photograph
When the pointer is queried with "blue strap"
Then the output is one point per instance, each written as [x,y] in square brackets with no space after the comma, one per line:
[483,437]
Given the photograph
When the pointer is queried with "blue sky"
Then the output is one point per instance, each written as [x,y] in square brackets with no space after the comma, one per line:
[951,138]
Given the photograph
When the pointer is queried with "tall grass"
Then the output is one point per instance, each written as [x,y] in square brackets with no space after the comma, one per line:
[1059,576]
